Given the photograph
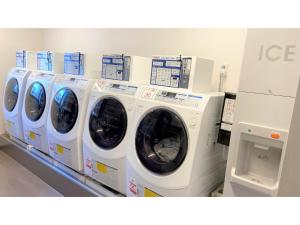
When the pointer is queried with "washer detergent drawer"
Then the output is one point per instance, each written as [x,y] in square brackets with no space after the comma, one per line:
[259,156]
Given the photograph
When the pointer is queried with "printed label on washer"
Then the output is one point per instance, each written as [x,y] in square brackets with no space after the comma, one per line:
[105,173]
[60,153]
[116,67]
[149,93]
[11,127]
[132,187]
[33,138]
[150,193]
[171,71]
[88,166]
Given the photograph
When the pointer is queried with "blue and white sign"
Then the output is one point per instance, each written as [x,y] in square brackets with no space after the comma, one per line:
[171,72]
[45,61]
[21,59]
[74,63]
[116,67]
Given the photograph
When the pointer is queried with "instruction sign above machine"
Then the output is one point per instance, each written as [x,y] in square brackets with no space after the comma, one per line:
[116,67]
[45,61]
[74,63]
[171,71]
[21,58]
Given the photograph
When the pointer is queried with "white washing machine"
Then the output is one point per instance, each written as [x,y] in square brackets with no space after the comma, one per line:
[171,151]
[13,99]
[107,127]
[13,95]
[37,99]
[65,122]
[109,119]
[35,109]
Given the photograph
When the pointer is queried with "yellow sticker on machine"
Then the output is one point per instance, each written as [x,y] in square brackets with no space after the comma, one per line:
[8,124]
[60,149]
[32,135]
[149,193]
[102,168]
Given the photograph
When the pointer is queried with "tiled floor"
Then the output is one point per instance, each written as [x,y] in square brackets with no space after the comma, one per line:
[16,180]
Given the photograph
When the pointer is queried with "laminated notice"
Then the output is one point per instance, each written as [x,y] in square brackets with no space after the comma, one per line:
[74,63]
[171,71]
[116,67]
[21,59]
[45,61]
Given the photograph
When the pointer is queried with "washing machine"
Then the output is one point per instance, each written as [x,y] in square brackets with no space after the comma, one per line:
[106,131]
[35,109]
[65,122]
[13,99]
[14,89]
[171,151]
[37,99]
[109,118]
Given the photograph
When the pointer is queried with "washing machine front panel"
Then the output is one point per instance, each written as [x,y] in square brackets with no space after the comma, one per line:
[11,94]
[161,141]
[64,110]
[108,123]
[35,101]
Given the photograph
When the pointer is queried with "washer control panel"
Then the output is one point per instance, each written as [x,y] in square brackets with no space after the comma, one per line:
[120,88]
[80,82]
[194,101]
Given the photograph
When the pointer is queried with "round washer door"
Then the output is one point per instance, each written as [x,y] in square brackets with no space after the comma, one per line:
[35,101]
[108,123]
[64,110]
[11,94]
[161,141]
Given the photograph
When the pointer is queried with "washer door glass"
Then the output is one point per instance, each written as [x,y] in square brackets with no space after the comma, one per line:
[64,110]
[11,94]
[161,141]
[35,101]
[108,123]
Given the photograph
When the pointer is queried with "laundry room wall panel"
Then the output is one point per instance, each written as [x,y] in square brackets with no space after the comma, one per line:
[221,45]
[10,41]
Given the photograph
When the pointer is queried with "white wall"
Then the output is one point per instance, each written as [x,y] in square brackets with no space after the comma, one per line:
[221,45]
[10,41]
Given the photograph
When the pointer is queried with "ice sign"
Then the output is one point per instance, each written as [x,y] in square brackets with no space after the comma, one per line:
[171,71]
[74,63]
[21,59]
[116,67]
[45,61]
